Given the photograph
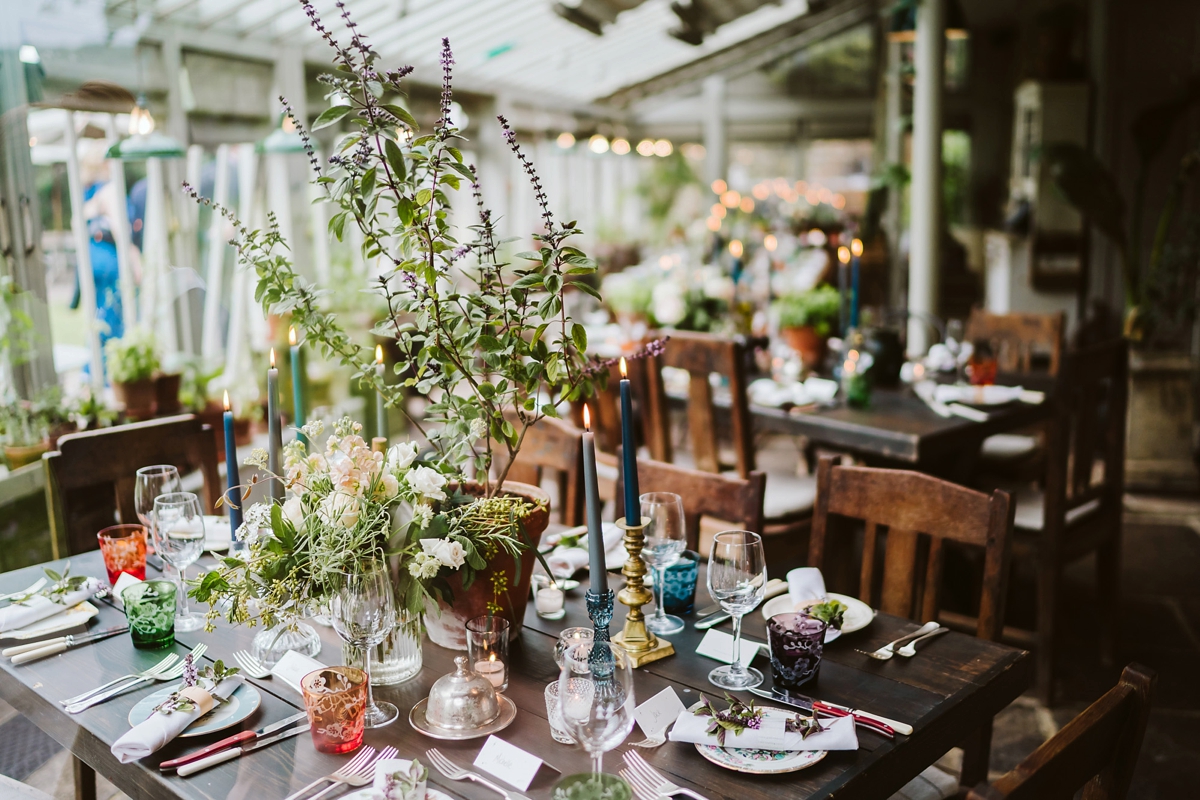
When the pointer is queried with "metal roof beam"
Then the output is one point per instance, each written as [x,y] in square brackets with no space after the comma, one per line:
[755,52]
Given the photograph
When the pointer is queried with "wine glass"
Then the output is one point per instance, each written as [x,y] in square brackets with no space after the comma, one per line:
[149,484]
[737,579]
[595,700]
[666,540]
[363,609]
[178,529]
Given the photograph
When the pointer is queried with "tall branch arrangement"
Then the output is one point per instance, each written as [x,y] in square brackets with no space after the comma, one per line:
[489,342]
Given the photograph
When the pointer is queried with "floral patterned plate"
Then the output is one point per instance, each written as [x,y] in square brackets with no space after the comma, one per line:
[370,794]
[759,762]
[239,706]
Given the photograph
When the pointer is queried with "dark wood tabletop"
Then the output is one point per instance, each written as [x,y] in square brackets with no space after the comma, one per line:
[952,684]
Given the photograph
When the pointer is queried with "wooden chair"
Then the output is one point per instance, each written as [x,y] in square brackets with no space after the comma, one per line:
[920,513]
[555,446]
[1096,751]
[1079,510]
[705,495]
[789,497]
[90,478]
[1020,341]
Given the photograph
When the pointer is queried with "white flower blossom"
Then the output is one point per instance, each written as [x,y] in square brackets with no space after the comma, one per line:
[427,482]
[387,487]
[342,509]
[401,456]
[479,428]
[448,552]
[313,430]
[255,522]
[424,566]
[294,511]
[258,458]
[422,516]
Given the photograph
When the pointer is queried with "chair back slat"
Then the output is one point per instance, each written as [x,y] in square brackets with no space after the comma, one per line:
[1018,340]
[1096,751]
[723,497]
[702,354]
[92,474]
[915,514]
[554,446]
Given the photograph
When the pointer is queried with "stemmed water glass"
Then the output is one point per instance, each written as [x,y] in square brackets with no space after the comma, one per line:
[666,540]
[737,579]
[148,485]
[178,530]
[595,699]
[363,609]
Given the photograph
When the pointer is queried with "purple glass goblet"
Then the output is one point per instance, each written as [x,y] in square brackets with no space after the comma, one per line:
[796,643]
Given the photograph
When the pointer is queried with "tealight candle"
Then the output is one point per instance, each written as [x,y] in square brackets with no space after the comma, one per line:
[493,670]
[549,602]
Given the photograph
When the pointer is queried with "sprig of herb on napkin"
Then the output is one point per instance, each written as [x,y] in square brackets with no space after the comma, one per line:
[742,716]
[59,588]
[211,676]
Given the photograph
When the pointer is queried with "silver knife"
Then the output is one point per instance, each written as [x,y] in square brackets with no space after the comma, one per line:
[31,652]
[238,752]
[882,725]
[232,741]
[775,587]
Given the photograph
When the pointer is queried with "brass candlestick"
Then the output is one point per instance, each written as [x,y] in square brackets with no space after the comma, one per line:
[641,645]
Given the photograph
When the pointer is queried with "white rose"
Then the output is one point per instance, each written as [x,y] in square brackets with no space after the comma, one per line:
[447,552]
[388,487]
[340,509]
[294,511]
[401,455]
[428,482]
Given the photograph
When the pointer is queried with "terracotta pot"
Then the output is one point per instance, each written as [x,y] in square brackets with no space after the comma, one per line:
[808,344]
[19,456]
[447,623]
[138,398]
[166,394]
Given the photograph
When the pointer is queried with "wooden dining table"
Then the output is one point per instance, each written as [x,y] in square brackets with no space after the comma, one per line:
[954,683]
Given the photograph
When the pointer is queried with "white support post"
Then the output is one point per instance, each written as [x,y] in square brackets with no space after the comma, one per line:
[893,139]
[716,138]
[924,250]
[121,235]
[83,257]
[158,310]
[319,220]
[211,347]
[236,350]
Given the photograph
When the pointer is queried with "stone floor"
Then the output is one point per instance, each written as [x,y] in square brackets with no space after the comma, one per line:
[1161,629]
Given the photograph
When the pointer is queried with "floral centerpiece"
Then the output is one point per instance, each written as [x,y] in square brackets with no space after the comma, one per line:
[482,334]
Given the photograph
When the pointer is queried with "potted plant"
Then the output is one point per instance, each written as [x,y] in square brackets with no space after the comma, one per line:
[484,337]
[26,434]
[806,319]
[132,363]
[168,383]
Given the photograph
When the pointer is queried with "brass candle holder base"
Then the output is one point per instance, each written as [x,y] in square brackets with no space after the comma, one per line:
[641,645]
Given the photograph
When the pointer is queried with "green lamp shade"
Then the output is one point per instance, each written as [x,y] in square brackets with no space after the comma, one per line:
[150,145]
[281,141]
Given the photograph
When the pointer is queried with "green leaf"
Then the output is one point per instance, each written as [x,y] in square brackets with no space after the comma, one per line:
[368,181]
[401,114]
[490,344]
[529,256]
[331,115]
[423,197]
[395,159]
[579,337]
[583,287]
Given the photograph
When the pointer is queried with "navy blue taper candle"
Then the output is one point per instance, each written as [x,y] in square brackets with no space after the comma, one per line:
[633,506]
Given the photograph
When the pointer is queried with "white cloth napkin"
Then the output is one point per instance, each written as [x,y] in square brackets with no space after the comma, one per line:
[39,607]
[154,734]
[805,583]
[840,734]
[980,395]
[566,561]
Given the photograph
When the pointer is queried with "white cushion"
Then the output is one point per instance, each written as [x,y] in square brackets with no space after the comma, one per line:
[1008,447]
[932,784]
[788,494]
[1031,504]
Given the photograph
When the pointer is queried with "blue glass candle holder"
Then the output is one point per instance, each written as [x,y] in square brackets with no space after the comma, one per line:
[679,584]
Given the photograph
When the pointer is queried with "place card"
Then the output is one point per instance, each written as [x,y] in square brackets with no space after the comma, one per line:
[508,762]
[293,667]
[718,645]
[124,581]
[656,714]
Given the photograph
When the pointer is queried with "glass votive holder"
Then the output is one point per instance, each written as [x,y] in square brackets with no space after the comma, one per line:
[336,701]
[796,642]
[150,610]
[568,638]
[679,584]
[548,598]
[554,716]
[124,550]
[487,648]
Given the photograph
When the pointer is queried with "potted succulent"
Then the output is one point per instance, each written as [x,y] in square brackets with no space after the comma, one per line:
[806,319]
[132,364]
[485,337]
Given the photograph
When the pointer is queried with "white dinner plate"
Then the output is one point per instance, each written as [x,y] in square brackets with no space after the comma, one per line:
[858,614]
[73,617]
[217,535]
[241,704]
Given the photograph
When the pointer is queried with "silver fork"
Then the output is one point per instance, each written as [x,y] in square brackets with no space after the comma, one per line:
[363,760]
[640,788]
[654,781]
[456,773]
[159,667]
[888,650]
[909,650]
[361,778]
[170,674]
[251,665]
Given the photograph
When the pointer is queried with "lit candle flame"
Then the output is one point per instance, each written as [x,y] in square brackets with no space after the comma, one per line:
[587,416]
[292,336]
[378,354]
[844,255]
[624,372]
[272,358]
[856,247]
[492,657]
[226,399]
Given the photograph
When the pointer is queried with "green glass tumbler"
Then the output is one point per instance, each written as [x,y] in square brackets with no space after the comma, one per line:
[150,609]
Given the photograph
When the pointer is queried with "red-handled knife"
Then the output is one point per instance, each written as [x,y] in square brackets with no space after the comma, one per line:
[231,741]
[883,725]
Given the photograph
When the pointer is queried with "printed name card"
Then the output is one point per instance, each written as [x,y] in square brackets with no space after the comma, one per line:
[656,714]
[508,762]
[718,645]
[123,582]
[292,668]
